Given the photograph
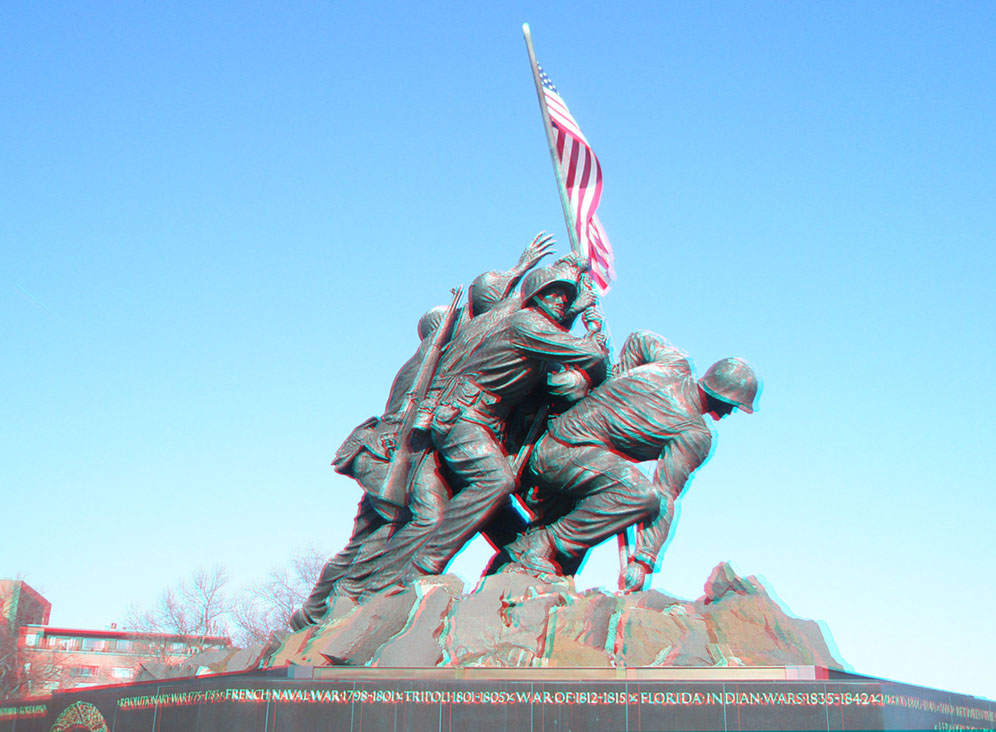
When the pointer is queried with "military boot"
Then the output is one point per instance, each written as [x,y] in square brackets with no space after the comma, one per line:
[535,551]
[300,619]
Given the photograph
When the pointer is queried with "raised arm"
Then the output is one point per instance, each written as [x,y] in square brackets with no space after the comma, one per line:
[491,288]
[539,247]
[538,336]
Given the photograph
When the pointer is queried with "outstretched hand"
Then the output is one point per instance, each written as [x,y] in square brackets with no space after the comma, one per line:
[541,246]
[634,577]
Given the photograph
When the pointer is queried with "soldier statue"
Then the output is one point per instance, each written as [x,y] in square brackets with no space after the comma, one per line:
[651,409]
[480,388]
[511,354]
[366,454]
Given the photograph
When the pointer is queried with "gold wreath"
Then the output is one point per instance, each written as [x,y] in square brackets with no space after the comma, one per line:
[80,717]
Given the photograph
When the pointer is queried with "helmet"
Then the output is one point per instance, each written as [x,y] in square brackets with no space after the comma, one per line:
[430,321]
[539,279]
[731,380]
[487,290]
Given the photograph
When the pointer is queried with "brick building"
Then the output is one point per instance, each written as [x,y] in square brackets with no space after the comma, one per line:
[50,658]
[66,658]
[20,604]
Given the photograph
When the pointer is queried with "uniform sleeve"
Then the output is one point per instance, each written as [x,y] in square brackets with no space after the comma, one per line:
[642,347]
[536,335]
[681,457]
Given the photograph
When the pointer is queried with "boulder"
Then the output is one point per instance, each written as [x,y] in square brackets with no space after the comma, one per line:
[354,639]
[417,643]
[518,618]
[578,630]
[724,581]
[676,636]
[506,609]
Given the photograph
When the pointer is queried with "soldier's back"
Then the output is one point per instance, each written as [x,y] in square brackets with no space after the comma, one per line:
[635,413]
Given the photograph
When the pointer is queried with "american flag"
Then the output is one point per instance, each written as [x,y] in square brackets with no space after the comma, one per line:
[582,177]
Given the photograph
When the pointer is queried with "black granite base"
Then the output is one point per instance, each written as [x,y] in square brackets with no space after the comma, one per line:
[300,699]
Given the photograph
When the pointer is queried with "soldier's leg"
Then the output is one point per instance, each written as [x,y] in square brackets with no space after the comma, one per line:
[505,524]
[479,463]
[370,530]
[570,564]
[501,530]
[611,494]
[365,526]
[381,565]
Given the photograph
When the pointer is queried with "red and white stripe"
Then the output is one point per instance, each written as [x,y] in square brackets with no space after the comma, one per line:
[582,177]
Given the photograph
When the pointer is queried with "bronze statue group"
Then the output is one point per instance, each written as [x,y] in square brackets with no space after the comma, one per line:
[500,402]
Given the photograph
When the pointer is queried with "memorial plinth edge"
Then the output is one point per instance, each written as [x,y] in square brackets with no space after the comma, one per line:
[414,699]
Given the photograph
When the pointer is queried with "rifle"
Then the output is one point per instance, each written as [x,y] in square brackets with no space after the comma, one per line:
[538,423]
[395,487]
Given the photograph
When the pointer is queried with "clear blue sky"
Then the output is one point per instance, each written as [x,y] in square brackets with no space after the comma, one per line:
[220,223]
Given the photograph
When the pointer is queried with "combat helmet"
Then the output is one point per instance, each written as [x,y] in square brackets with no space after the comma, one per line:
[430,321]
[539,279]
[731,380]
[487,290]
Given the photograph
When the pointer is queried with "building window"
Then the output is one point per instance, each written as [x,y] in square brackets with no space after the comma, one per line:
[122,673]
[122,645]
[83,672]
[94,644]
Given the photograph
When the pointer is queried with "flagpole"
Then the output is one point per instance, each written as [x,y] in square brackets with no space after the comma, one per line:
[623,537]
[554,158]
[569,218]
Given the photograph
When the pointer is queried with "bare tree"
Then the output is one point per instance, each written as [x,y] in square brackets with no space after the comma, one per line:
[265,606]
[11,676]
[20,677]
[203,605]
[198,606]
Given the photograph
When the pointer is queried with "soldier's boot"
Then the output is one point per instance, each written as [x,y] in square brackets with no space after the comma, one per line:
[413,573]
[535,550]
[300,619]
